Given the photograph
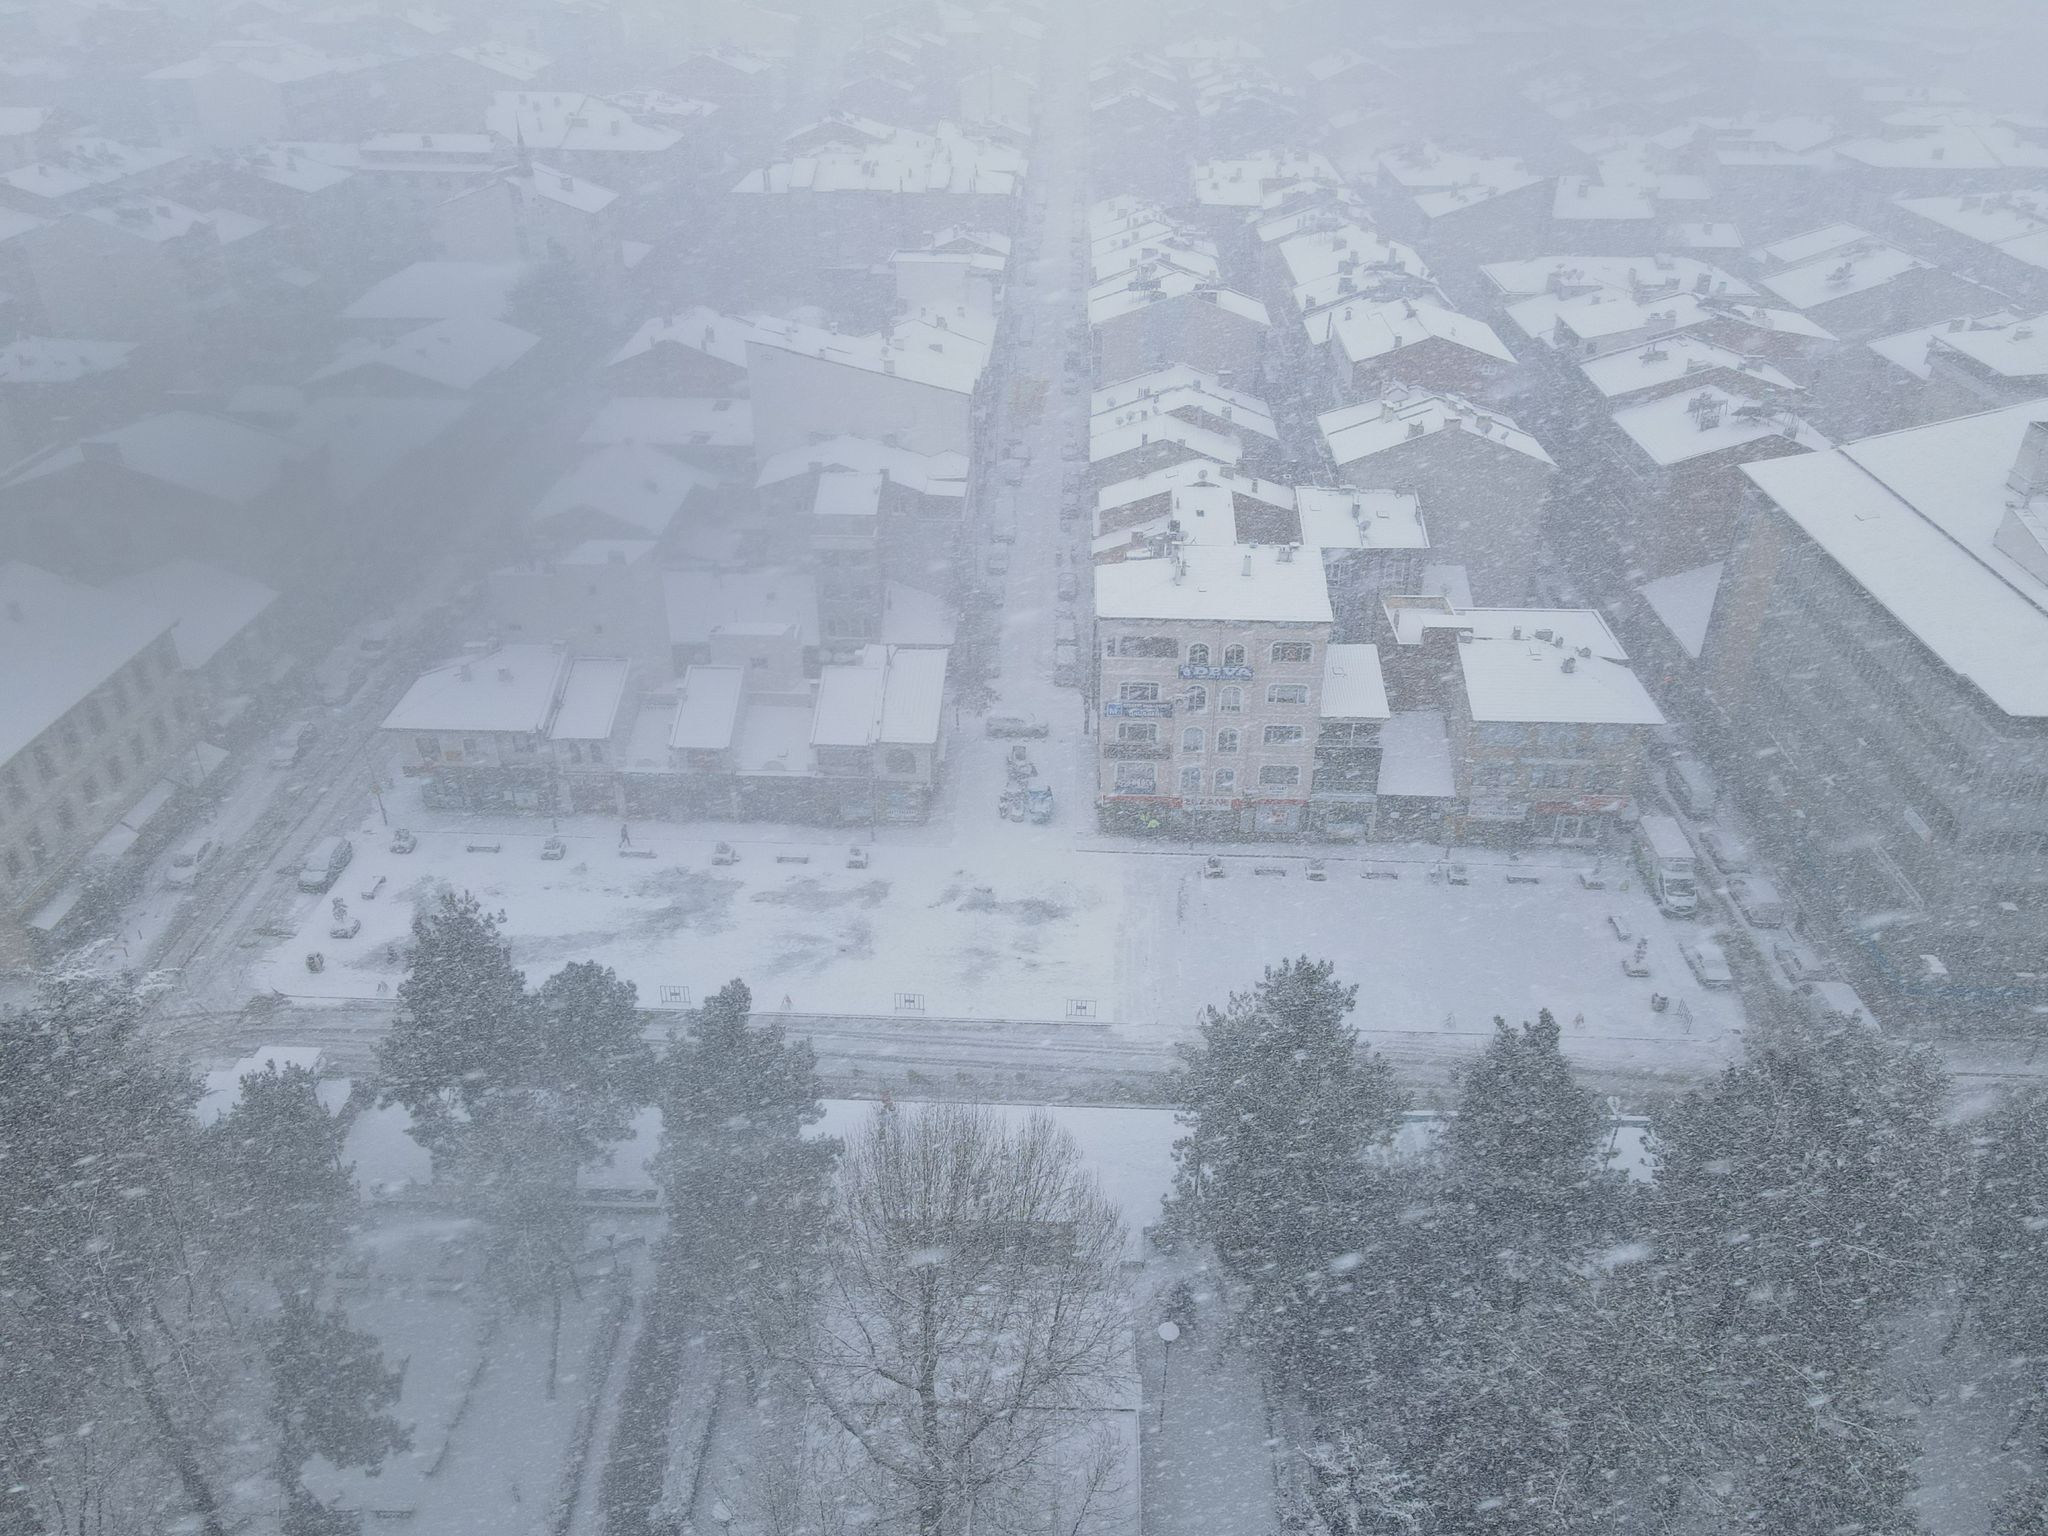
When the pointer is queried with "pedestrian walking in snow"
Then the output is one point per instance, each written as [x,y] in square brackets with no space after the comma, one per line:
[625,837]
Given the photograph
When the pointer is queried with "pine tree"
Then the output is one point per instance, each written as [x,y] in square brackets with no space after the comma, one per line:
[462,1017]
[584,1045]
[281,1185]
[1280,1110]
[2005,1269]
[735,1099]
[334,1395]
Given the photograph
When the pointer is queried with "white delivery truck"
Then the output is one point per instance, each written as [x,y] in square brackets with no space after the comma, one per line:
[1670,871]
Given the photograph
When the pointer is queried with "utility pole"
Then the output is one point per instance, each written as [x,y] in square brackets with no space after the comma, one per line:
[1168,1332]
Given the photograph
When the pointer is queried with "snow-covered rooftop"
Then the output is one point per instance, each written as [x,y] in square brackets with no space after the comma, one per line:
[887,697]
[205,605]
[457,353]
[1343,517]
[209,456]
[631,483]
[591,695]
[1844,270]
[61,641]
[708,706]
[1534,665]
[1915,519]
[1371,330]
[945,160]
[2017,349]
[1670,360]
[700,603]
[1221,582]
[1148,285]
[933,474]
[514,688]
[440,290]
[1353,688]
[1356,432]
[568,122]
[672,421]
[51,360]
[1690,424]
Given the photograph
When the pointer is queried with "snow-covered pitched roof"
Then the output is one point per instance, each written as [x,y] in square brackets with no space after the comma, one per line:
[568,122]
[887,697]
[1856,267]
[457,353]
[1669,360]
[51,360]
[1914,518]
[591,695]
[440,290]
[1143,286]
[1366,330]
[1693,423]
[205,605]
[672,422]
[1356,432]
[933,474]
[209,456]
[1343,517]
[1353,687]
[61,640]
[629,482]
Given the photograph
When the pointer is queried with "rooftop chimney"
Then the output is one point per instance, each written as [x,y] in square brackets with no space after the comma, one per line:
[2029,477]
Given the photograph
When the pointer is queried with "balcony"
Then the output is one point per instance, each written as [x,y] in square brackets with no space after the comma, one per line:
[1136,751]
[1158,709]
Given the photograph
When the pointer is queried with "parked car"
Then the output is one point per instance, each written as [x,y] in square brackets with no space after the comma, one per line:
[402,841]
[1010,803]
[725,853]
[1064,630]
[324,863]
[1013,471]
[1709,963]
[1692,786]
[187,861]
[1004,529]
[1728,852]
[1758,900]
[554,848]
[292,744]
[1800,964]
[1011,727]
[857,857]
[1066,665]
[347,928]
[1038,804]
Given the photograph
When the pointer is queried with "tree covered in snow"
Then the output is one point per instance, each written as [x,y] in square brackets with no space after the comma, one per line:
[1280,1110]
[735,1097]
[334,1395]
[279,1177]
[965,1318]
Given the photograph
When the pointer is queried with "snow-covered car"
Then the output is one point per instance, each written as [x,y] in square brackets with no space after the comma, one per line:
[1729,853]
[1011,727]
[554,848]
[402,841]
[1709,963]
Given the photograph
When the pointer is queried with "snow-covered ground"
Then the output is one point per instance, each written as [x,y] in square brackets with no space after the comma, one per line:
[993,920]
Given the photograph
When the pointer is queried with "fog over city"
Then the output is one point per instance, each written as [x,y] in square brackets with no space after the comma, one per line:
[1010,768]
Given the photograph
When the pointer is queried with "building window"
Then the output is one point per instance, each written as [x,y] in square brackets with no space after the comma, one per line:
[575,751]
[1143,731]
[1191,739]
[1226,740]
[597,751]
[1198,655]
[1226,780]
[1136,779]
[1139,693]
[1230,701]
[1195,700]
[1277,776]
[1287,693]
[468,747]
[900,760]
[1283,735]
[1191,781]
[1293,650]
[429,747]
[1554,776]
[1233,655]
[1150,647]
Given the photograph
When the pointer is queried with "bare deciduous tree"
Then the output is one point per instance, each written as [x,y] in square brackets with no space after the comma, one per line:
[967,1324]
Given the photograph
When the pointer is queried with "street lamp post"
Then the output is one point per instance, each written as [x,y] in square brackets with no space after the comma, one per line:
[1168,1332]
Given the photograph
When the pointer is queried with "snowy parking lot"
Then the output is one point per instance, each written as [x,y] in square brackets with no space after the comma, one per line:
[996,921]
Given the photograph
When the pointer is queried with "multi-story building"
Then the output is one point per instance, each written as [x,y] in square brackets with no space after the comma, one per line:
[1546,722]
[1885,629]
[93,713]
[1209,676]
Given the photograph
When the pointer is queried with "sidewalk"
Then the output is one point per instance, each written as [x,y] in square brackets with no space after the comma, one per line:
[1206,1466]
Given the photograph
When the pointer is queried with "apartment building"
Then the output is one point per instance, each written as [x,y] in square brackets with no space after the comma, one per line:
[94,713]
[1886,628]
[1209,678]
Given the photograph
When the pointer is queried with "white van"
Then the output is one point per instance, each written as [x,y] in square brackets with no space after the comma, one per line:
[186,862]
[1730,853]
[324,863]
[1692,786]
[1670,871]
